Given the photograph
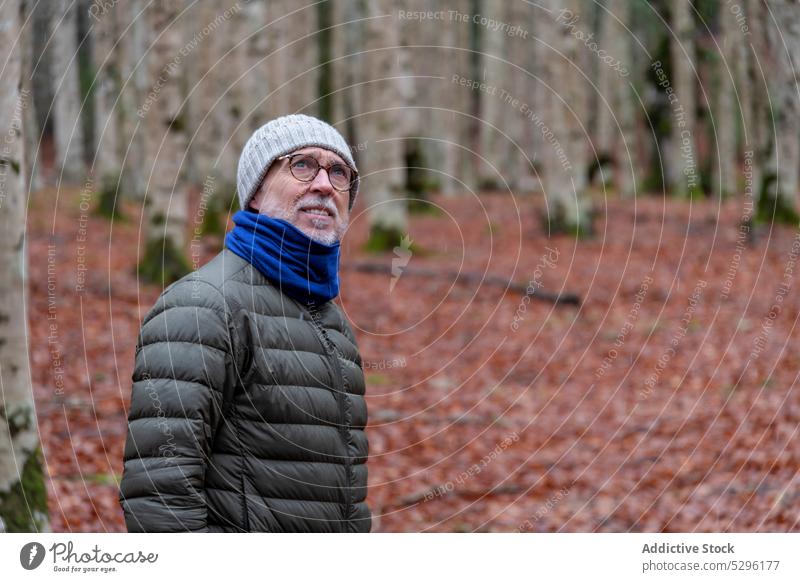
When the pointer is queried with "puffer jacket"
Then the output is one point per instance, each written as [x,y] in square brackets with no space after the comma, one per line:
[247,411]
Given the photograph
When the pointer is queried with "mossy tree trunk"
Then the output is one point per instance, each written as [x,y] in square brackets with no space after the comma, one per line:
[163,259]
[615,110]
[781,179]
[384,92]
[134,159]
[23,502]
[109,151]
[563,114]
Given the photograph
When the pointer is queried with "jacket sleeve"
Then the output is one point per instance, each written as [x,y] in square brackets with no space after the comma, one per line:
[183,358]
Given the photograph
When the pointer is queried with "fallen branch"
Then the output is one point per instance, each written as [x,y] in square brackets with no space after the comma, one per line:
[469,279]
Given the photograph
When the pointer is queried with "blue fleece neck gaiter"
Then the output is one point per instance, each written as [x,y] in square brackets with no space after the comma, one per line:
[299,266]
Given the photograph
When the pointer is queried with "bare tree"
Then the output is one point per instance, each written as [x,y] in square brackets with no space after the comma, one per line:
[724,159]
[385,92]
[563,114]
[166,209]
[33,131]
[67,107]
[135,87]
[110,148]
[23,499]
[496,74]
[616,118]
[681,154]
[783,42]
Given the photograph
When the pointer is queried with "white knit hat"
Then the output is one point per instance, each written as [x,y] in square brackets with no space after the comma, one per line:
[282,136]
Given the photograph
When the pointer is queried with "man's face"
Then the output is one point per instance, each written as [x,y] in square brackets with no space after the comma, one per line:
[315,207]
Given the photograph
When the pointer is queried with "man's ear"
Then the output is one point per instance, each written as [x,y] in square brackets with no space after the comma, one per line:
[251,205]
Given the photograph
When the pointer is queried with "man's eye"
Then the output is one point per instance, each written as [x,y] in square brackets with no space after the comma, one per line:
[338,170]
[301,164]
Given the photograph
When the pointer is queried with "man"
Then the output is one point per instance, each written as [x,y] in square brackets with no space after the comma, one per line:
[247,409]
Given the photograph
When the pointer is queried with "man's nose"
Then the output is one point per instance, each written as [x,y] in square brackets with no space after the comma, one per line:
[322,183]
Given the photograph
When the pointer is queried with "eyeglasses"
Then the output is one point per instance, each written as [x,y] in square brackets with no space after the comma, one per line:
[305,167]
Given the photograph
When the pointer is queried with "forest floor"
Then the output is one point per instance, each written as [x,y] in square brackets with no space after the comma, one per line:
[666,401]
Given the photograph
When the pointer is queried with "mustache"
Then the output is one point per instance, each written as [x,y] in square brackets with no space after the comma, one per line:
[317,201]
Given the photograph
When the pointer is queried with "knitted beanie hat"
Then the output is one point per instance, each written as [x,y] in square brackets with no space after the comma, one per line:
[280,137]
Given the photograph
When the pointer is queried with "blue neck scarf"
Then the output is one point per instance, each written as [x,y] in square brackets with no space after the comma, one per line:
[299,266]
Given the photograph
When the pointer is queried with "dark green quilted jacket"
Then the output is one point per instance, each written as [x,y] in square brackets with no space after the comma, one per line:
[247,411]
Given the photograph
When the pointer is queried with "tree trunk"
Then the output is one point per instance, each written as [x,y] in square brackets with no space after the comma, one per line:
[109,150]
[384,94]
[616,113]
[746,90]
[455,126]
[681,153]
[758,121]
[784,46]
[346,44]
[164,259]
[23,498]
[724,173]
[496,75]
[33,133]
[564,109]
[256,80]
[67,108]
[134,93]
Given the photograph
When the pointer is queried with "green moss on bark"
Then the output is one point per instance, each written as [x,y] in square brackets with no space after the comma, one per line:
[162,262]
[24,507]
[108,202]
[382,239]
[772,207]
[558,223]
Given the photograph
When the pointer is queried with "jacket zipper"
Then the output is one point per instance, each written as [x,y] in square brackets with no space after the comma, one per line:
[339,394]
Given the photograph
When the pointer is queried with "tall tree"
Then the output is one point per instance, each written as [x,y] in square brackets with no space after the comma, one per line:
[346,45]
[385,90]
[780,189]
[31,122]
[166,209]
[109,147]
[724,158]
[616,117]
[135,85]
[563,114]
[324,42]
[681,155]
[68,127]
[23,499]
[256,76]
[496,74]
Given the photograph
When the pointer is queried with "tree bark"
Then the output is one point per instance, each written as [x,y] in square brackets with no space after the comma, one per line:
[681,153]
[785,48]
[564,111]
[109,152]
[724,175]
[616,113]
[67,108]
[494,150]
[33,130]
[135,87]
[23,499]
[385,91]
[164,260]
